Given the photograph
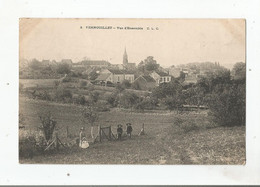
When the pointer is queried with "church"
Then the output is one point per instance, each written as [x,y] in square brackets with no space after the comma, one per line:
[126,64]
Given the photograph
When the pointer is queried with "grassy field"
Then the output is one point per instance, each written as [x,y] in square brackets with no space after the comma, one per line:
[171,138]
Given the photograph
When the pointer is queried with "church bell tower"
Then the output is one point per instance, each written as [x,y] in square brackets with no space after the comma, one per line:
[125,58]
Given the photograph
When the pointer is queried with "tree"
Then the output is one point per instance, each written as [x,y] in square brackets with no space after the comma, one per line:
[112,99]
[35,64]
[63,68]
[62,94]
[126,84]
[94,96]
[136,85]
[80,99]
[146,103]
[221,76]
[239,70]
[141,67]
[228,106]
[194,95]
[181,78]
[167,90]
[48,125]
[149,64]
[89,115]
[128,99]
[225,98]
[173,102]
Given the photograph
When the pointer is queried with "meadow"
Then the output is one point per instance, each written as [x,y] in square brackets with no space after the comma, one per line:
[170,137]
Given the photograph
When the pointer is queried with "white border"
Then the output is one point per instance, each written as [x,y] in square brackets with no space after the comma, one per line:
[13,173]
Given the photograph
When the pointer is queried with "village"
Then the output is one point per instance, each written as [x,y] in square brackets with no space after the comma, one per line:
[103,73]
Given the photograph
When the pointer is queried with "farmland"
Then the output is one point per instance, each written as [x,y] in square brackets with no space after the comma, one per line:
[194,140]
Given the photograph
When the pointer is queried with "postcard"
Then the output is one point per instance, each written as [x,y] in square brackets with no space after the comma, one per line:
[132,91]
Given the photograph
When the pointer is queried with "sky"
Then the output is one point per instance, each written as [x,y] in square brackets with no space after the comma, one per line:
[172,42]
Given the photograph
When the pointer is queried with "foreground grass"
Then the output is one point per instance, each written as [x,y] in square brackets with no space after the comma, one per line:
[165,142]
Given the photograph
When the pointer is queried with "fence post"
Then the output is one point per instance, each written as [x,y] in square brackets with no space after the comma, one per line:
[100,139]
[110,133]
[56,143]
[67,131]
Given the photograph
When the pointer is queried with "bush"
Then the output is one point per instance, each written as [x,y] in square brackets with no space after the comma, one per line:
[101,106]
[140,106]
[178,121]
[146,103]
[30,143]
[67,79]
[41,94]
[44,95]
[128,99]
[126,84]
[185,125]
[63,94]
[80,99]
[112,99]
[94,96]
[63,68]
[136,86]
[27,146]
[90,87]
[83,84]
[173,102]
[56,83]
[228,107]
[188,126]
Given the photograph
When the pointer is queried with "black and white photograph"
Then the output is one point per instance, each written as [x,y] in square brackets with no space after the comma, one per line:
[132,91]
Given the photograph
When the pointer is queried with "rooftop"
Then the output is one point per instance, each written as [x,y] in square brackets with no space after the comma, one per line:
[69,61]
[118,72]
[103,77]
[162,74]
[95,62]
[147,78]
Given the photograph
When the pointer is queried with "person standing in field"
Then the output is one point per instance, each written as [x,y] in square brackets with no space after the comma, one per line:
[82,136]
[129,129]
[119,132]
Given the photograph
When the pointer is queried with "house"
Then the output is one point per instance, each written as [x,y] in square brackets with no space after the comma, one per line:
[129,75]
[67,61]
[144,82]
[160,77]
[95,63]
[105,78]
[130,66]
[78,65]
[121,75]
[117,66]
[175,72]
[87,71]
[115,76]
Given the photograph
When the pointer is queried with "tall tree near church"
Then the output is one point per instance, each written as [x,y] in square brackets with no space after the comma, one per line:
[150,64]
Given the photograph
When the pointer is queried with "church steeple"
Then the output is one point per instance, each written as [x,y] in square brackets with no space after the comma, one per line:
[125,58]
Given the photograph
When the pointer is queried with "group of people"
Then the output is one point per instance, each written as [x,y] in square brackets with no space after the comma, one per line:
[83,143]
[129,130]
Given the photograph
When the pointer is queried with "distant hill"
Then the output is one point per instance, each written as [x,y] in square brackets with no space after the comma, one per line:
[202,66]
[229,66]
